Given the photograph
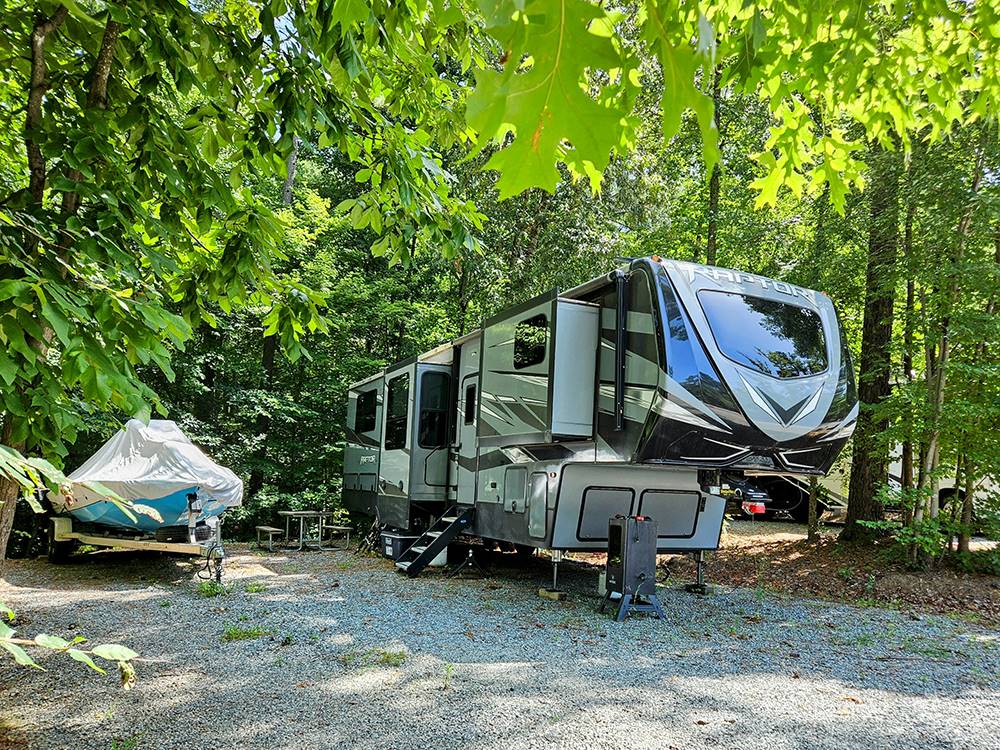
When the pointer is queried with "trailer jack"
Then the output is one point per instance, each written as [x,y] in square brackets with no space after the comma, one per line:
[554,593]
[699,586]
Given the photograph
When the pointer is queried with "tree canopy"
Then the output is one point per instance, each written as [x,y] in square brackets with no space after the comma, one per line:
[145,244]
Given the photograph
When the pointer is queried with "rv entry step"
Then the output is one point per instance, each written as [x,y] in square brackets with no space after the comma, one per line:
[430,544]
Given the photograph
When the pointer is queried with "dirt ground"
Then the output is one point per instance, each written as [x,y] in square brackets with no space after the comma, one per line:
[775,557]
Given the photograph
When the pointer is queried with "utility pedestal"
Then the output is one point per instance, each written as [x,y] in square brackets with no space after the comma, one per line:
[631,568]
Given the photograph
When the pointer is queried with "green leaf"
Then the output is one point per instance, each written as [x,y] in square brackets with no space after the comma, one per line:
[546,103]
[82,656]
[114,652]
[19,654]
[680,64]
[6,612]
[51,641]
[8,370]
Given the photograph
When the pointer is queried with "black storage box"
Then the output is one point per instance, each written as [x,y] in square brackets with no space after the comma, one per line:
[395,544]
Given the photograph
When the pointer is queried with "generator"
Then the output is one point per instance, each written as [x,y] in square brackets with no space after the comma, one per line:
[631,566]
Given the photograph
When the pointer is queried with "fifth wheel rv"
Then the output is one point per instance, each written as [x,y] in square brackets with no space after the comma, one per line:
[624,395]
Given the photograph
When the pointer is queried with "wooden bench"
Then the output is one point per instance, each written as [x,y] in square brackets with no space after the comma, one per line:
[337,530]
[271,532]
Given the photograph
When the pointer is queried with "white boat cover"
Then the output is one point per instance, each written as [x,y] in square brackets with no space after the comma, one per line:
[145,462]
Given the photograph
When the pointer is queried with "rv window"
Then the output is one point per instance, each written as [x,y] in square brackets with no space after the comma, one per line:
[775,338]
[470,403]
[435,388]
[398,401]
[364,415]
[530,337]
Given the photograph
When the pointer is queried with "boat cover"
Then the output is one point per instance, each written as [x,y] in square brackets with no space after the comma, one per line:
[153,464]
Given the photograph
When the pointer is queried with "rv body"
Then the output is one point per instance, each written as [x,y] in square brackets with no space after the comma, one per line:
[624,395]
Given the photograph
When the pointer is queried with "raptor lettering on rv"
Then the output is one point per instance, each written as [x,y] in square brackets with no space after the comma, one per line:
[740,277]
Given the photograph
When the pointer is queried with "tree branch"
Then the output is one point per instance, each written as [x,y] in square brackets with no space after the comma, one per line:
[97,97]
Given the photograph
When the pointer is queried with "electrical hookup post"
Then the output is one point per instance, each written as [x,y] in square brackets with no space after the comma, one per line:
[630,572]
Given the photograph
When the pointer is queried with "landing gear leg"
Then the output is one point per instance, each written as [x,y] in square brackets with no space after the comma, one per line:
[699,587]
[554,593]
[472,564]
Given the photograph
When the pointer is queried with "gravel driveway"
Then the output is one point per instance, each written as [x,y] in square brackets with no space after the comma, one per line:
[353,655]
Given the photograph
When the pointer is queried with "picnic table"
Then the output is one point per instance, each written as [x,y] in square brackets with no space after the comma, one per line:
[310,521]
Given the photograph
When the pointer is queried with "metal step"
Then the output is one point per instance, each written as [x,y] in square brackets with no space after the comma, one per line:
[433,541]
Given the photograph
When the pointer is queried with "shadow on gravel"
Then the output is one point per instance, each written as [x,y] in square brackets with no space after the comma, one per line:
[490,665]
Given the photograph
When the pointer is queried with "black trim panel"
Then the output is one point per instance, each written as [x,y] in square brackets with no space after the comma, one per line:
[583,507]
[697,513]
[511,312]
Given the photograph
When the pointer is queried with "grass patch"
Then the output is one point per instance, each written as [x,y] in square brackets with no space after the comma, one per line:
[237,633]
[130,744]
[209,589]
[390,658]
[379,657]
[255,587]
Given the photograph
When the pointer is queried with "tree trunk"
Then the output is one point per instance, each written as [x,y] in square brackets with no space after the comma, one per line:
[9,493]
[938,376]
[97,97]
[293,160]
[965,534]
[262,426]
[714,182]
[463,293]
[269,348]
[813,533]
[870,459]
[37,174]
[906,459]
